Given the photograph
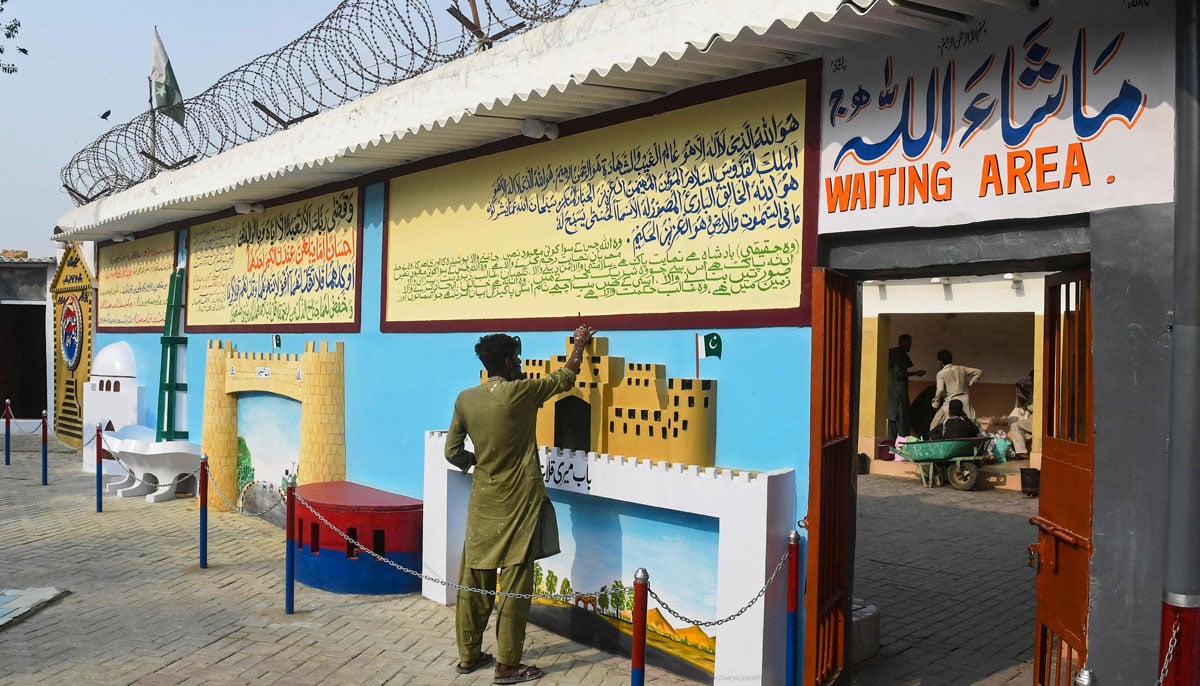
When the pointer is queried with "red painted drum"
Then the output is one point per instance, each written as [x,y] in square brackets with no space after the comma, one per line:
[387,524]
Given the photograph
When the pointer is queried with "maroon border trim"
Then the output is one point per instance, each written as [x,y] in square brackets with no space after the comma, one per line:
[383,252]
[174,265]
[801,315]
[341,327]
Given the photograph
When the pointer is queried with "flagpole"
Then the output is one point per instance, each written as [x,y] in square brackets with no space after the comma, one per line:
[697,356]
[153,129]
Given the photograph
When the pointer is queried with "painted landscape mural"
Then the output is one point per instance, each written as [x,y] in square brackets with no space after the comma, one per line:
[268,447]
[603,543]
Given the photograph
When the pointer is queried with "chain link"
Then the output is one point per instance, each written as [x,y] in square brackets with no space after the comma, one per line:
[718,622]
[1162,673]
[221,493]
[138,480]
[36,429]
[242,500]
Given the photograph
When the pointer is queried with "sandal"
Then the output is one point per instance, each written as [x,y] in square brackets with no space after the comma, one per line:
[483,660]
[524,673]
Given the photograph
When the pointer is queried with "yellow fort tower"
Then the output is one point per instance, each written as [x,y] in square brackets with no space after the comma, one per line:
[629,409]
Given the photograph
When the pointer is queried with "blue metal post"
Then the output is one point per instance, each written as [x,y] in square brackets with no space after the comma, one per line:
[7,428]
[99,472]
[641,582]
[203,489]
[289,576]
[45,439]
[793,607]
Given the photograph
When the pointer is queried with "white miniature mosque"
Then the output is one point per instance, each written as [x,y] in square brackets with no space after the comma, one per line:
[112,397]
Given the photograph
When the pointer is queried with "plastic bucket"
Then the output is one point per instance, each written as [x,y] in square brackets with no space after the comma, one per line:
[1000,449]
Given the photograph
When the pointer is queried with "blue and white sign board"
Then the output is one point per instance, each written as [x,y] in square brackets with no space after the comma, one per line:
[1066,109]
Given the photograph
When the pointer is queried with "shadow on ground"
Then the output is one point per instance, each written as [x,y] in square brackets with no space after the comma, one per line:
[949,573]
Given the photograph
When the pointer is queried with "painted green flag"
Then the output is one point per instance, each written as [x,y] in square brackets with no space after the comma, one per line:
[165,88]
[710,345]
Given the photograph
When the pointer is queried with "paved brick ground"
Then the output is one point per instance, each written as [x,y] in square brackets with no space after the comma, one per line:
[948,571]
[140,611]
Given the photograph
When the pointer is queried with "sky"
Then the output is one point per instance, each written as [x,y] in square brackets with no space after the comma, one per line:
[88,56]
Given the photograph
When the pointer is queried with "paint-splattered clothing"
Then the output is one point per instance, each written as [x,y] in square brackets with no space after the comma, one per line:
[507,491]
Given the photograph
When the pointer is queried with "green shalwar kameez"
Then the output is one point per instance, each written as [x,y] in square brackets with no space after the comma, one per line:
[507,493]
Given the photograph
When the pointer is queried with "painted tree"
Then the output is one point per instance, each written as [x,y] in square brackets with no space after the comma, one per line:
[245,467]
[602,600]
[9,30]
[566,587]
[538,576]
[617,596]
[551,581]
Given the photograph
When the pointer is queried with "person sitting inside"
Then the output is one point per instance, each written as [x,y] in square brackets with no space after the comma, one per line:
[957,425]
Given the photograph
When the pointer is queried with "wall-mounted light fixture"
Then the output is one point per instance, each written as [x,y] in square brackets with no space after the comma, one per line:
[1015,281]
[939,279]
[121,237]
[247,207]
[536,128]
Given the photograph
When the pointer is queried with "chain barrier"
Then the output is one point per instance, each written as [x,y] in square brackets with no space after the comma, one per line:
[37,429]
[429,577]
[1162,673]
[242,500]
[217,486]
[238,507]
[718,622]
[546,596]
[137,480]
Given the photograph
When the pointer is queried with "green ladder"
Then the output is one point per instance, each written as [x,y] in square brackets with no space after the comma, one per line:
[169,386]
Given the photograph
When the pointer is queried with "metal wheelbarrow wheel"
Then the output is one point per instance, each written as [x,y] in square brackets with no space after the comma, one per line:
[962,474]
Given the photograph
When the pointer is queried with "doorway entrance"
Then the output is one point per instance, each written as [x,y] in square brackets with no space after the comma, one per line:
[23,358]
[950,566]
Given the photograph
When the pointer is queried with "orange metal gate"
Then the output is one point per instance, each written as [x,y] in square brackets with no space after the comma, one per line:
[831,481]
[1062,553]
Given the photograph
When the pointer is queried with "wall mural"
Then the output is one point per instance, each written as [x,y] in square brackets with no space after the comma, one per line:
[268,447]
[694,210]
[264,390]
[291,266]
[625,408]
[602,543]
[71,290]
[134,277]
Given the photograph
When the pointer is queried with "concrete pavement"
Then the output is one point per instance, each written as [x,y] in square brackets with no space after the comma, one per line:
[140,611]
[948,571]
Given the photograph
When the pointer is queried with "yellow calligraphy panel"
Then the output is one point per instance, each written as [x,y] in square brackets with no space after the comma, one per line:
[134,277]
[292,264]
[694,210]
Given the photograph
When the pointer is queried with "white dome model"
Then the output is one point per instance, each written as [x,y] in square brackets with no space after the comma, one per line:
[115,359]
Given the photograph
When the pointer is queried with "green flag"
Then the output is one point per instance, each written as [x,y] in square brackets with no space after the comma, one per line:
[163,84]
[710,345]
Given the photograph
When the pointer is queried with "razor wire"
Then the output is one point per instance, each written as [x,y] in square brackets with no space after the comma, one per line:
[359,48]
[547,596]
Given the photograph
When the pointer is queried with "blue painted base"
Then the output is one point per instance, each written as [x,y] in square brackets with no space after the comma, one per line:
[334,572]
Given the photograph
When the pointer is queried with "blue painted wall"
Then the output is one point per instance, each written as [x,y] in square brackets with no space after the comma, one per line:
[400,385]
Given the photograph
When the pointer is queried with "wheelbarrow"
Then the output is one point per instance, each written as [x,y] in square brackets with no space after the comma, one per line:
[958,459]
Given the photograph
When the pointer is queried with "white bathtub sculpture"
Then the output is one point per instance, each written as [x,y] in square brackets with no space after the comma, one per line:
[151,463]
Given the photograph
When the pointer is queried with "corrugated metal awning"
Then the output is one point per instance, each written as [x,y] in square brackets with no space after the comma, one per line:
[599,58]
